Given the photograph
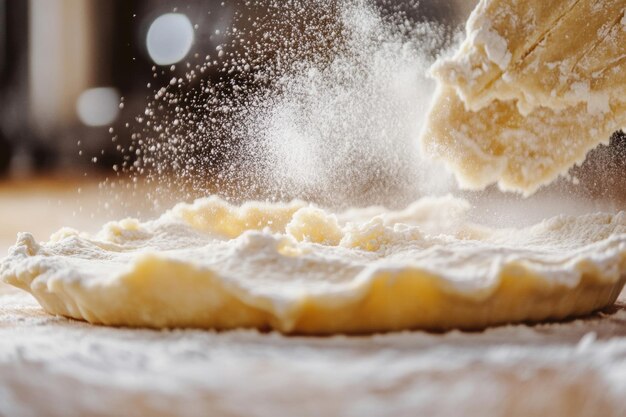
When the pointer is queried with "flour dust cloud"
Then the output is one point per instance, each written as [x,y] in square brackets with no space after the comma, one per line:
[308,99]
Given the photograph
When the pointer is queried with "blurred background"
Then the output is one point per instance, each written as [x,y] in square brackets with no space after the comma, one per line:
[70,70]
[69,67]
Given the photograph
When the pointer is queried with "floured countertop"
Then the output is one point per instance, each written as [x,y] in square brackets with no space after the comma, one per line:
[58,367]
[50,365]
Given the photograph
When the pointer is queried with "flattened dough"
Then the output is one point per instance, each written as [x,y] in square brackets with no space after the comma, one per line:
[299,269]
[537,83]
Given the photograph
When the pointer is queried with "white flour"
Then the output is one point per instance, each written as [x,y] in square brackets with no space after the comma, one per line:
[49,366]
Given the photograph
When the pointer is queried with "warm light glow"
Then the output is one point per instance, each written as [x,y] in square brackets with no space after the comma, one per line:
[169,38]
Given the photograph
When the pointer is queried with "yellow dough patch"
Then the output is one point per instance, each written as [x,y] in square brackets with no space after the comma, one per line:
[499,144]
[533,88]
[300,269]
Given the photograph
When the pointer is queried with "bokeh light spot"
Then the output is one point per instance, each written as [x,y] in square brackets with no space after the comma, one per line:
[98,106]
[169,38]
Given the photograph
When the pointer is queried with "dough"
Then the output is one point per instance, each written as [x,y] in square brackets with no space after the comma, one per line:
[299,269]
[499,144]
[530,75]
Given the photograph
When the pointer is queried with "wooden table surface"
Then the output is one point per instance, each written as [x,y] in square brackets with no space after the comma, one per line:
[59,367]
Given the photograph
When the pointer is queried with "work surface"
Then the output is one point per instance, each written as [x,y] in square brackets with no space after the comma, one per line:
[54,366]
[59,367]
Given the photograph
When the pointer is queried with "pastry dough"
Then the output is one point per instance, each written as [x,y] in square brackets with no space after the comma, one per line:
[530,75]
[499,144]
[299,269]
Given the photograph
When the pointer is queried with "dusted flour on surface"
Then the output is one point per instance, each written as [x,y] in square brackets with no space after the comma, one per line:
[534,87]
[297,268]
